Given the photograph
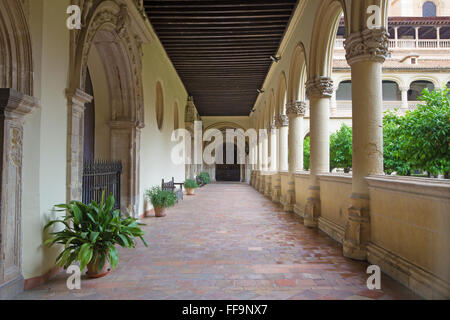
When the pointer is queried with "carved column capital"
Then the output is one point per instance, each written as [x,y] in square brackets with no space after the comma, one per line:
[368,45]
[320,87]
[403,88]
[78,98]
[16,102]
[282,121]
[296,108]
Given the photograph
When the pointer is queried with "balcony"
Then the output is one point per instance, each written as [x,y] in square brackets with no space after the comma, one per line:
[409,44]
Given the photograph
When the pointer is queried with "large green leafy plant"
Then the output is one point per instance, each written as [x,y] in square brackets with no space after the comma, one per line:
[91,233]
[161,198]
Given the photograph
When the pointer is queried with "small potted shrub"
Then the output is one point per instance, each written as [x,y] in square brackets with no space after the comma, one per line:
[91,234]
[190,185]
[204,177]
[161,199]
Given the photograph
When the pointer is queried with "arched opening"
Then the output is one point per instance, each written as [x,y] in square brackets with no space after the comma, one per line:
[89,122]
[391,91]
[429,9]
[229,171]
[416,88]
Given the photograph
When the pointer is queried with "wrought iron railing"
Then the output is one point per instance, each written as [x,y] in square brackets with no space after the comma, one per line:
[99,176]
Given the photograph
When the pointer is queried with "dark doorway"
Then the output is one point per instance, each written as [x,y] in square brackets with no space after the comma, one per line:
[89,122]
[228,172]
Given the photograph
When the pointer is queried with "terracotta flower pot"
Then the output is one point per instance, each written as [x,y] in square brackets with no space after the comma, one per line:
[160,212]
[92,271]
[190,191]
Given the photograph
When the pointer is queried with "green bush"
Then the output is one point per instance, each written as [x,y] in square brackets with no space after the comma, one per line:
[190,184]
[204,177]
[91,233]
[161,198]
[341,148]
[306,152]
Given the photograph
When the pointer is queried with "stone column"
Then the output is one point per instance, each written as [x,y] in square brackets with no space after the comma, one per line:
[125,147]
[366,52]
[273,148]
[333,104]
[282,125]
[319,91]
[75,127]
[404,91]
[265,151]
[295,111]
[13,107]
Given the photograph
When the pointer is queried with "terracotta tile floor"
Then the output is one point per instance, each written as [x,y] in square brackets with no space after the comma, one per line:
[229,242]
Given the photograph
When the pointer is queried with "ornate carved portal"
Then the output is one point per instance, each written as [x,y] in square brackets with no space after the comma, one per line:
[116,29]
[16,90]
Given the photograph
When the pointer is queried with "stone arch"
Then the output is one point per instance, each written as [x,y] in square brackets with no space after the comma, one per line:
[15,45]
[281,95]
[325,28]
[107,27]
[272,115]
[431,79]
[296,88]
[16,100]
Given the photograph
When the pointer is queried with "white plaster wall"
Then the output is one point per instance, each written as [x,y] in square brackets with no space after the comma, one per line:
[156,145]
[45,132]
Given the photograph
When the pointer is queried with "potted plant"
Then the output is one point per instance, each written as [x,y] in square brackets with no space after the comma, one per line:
[190,186]
[91,233]
[204,177]
[161,199]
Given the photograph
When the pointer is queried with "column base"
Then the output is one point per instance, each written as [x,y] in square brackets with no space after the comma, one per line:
[357,230]
[312,208]
[12,288]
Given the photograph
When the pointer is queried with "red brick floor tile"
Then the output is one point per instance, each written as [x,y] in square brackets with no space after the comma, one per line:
[229,242]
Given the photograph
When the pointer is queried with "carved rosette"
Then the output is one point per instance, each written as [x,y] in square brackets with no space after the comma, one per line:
[282,121]
[321,87]
[368,45]
[296,109]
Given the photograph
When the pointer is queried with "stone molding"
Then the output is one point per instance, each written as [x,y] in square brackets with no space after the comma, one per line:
[282,121]
[296,108]
[320,87]
[368,45]
[14,106]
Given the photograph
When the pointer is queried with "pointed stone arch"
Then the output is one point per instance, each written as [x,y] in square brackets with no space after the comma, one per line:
[16,100]
[297,73]
[281,95]
[117,31]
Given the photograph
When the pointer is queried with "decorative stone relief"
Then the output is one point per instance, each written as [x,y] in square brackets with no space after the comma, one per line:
[13,107]
[321,87]
[368,45]
[282,121]
[297,108]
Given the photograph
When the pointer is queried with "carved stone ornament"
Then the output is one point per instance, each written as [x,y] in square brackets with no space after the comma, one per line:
[321,87]
[190,110]
[297,108]
[282,121]
[368,45]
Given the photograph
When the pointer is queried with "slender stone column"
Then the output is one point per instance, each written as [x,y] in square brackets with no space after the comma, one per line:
[404,91]
[366,52]
[265,151]
[282,124]
[319,92]
[75,127]
[273,148]
[13,107]
[295,111]
[333,104]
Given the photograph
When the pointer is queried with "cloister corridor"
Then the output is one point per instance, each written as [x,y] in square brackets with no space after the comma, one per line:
[229,242]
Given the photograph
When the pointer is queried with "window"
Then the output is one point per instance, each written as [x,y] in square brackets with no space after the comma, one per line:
[344,91]
[429,9]
[417,87]
[159,108]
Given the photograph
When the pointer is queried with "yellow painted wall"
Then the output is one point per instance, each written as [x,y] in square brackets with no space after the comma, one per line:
[45,132]
[156,144]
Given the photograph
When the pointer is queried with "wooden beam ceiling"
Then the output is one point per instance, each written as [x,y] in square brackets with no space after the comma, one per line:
[221,49]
